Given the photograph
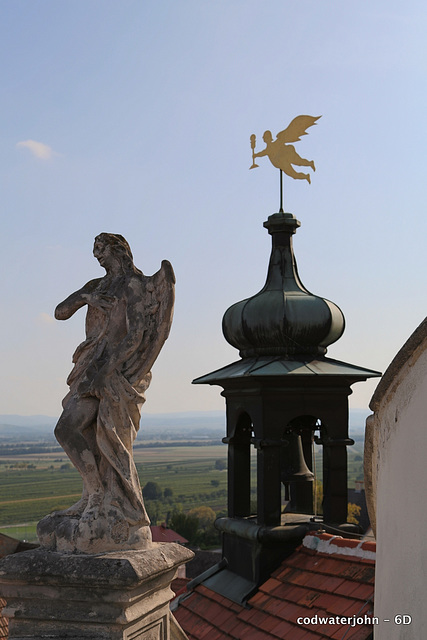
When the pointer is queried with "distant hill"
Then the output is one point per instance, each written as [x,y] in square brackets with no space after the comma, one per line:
[194,423]
[15,427]
[184,419]
[203,424]
[358,420]
[28,421]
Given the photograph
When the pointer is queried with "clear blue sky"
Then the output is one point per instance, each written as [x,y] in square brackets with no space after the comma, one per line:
[143,112]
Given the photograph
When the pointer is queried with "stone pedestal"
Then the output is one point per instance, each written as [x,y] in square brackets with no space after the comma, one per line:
[109,596]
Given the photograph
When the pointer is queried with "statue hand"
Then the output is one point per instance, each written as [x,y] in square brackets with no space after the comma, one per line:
[98,385]
[99,301]
[94,388]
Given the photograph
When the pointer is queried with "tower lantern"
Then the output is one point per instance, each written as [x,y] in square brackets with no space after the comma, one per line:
[282,395]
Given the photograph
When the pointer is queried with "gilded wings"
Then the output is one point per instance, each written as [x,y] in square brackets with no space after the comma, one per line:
[297,128]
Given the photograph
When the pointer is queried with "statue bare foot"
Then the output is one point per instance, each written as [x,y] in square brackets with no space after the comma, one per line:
[93,506]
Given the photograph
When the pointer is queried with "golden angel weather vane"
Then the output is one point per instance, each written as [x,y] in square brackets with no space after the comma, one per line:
[283,155]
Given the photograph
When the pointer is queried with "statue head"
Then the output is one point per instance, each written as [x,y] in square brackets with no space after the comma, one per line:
[267,137]
[120,248]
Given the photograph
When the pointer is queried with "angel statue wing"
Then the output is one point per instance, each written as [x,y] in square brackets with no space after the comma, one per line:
[297,128]
[158,312]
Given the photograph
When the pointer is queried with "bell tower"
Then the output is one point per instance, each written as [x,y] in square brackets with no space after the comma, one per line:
[282,395]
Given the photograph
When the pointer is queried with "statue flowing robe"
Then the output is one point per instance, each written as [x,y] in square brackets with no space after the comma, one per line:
[116,427]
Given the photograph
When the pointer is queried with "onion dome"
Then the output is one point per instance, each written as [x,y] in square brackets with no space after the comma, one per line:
[284,318]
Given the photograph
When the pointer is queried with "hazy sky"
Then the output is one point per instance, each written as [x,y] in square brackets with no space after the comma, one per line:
[134,117]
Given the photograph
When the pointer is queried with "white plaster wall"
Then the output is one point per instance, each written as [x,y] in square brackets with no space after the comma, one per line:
[398,437]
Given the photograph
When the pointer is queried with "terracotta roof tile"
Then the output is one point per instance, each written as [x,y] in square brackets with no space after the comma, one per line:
[296,576]
[300,633]
[230,626]
[310,635]
[289,592]
[241,629]
[362,592]
[284,610]
[337,581]
[343,542]
[4,628]
[271,585]
[255,634]
[359,633]
[309,598]
[324,582]
[4,624]
[161,533]
[179,585]
[260,619]
[329,630]
[260,599]
[369,545]
[337,605]
[332,566]
[215,634]
[283,629]
[303,561]
[346,588]
[336,631]
[218,598]
[201,629]
[284,571]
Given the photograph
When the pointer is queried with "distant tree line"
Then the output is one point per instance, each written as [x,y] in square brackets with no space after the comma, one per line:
[180,443]
[20,449]
[197,526]
[153,491]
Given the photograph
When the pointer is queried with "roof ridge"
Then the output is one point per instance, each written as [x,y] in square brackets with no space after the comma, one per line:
[337,545]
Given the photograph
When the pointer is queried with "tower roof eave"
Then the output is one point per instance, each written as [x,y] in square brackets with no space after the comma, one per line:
[263,367]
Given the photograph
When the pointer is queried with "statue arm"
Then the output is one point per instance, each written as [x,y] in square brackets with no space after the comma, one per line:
[75,301]
[264,152]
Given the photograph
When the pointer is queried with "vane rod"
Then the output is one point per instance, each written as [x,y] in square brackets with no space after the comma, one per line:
[281,192]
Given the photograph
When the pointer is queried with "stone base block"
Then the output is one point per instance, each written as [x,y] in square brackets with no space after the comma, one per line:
[109,596]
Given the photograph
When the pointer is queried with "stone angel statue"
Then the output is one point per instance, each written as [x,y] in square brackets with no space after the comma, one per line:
[128,319]
[282,154]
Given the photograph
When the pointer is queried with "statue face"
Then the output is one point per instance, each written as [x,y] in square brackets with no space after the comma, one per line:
[103,253]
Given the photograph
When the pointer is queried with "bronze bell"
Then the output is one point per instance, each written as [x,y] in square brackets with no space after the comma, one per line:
[294,467]
[296,476]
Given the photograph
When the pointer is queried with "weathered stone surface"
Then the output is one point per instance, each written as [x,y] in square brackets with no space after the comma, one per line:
[128,319]
[111,596]
[107,532]
[395,452]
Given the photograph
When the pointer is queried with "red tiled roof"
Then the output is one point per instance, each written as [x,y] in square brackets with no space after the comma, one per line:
[4,625]
[9,545]
[164,534]
[327,577]
[179,585]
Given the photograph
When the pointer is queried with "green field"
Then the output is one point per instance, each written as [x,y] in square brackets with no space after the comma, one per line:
[34,485]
